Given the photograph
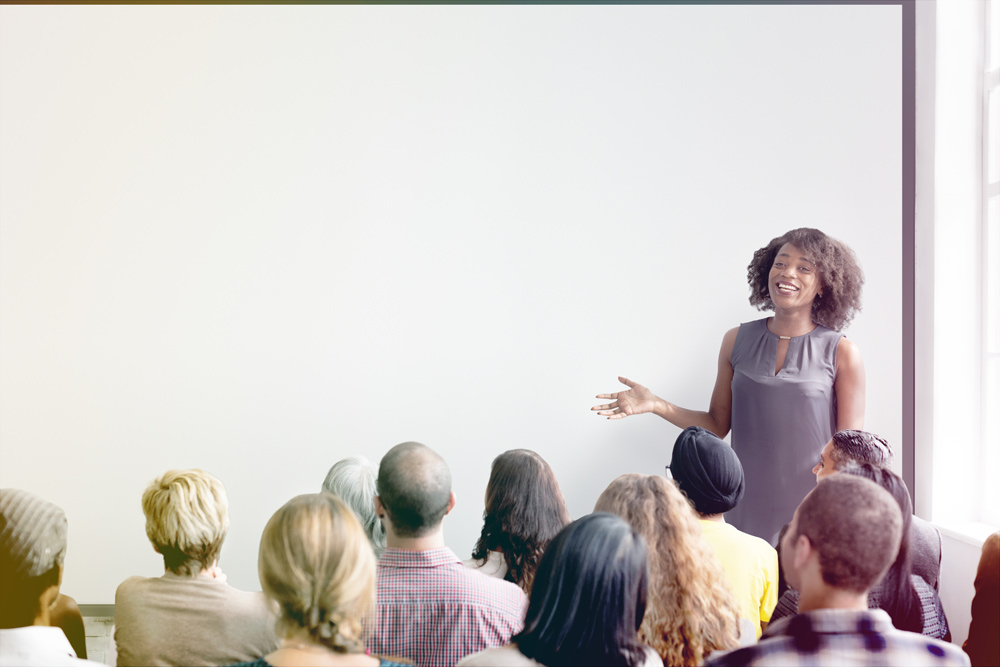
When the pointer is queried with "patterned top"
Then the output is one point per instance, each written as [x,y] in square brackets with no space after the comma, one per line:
[261,662]
[933,621]
[835,637]
[435,611]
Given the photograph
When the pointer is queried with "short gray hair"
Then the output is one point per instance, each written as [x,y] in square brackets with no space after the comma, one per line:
[353,480]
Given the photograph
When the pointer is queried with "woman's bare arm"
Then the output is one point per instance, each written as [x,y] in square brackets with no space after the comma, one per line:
[638,399]
[849,386]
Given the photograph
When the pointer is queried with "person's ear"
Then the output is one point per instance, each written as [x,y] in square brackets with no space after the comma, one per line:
[803,550]
[451,503]
[379,508]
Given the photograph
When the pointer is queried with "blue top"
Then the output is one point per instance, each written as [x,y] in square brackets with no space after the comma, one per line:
[780,422]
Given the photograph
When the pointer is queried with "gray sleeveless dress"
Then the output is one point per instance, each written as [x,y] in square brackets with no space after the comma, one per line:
[780,422]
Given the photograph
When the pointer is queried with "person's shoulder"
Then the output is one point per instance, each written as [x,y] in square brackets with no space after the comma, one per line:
[747,655]
[499,590]
[503,656]
[924,650]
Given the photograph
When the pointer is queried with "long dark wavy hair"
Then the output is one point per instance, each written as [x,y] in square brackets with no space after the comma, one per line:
[589,596]
[524,511]
[898,596]
[841,276]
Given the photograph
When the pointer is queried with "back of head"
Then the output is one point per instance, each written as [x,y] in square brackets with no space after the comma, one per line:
[32,550]
[414,486]
[589,596]
[707,470]
[354,481]
[524,511]
[855,527]
[897,595]
[187,518]
[316,563]
[691,611]
[853,446]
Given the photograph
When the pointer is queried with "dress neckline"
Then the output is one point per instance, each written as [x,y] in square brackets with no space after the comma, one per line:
[789,338]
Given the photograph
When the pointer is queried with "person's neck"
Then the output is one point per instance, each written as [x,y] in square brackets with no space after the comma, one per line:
[823,596]
[426,542]
[795,322]
[712,517]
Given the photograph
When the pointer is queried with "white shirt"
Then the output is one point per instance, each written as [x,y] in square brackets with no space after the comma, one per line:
[494,566]
[38,646]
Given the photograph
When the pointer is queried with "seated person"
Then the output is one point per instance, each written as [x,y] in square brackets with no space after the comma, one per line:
[317,566]
[709,473]
[587,603]
[430,608]
[843,538]
[190,615]
[850,447]
[524,511]
[983,644]
[353,481]
[911,603]
[691,611]
[32,551]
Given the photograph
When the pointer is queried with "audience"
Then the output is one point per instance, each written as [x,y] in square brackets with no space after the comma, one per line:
[524,511]
[850,447]
[587,602]
[843,538]
[316,565]
[190,615]
[430,608]
[32,551]
[910,602]
[691,612]
[983,644]
[709,473]
[353,480]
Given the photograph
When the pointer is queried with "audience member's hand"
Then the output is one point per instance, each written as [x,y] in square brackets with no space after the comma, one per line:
[635,401]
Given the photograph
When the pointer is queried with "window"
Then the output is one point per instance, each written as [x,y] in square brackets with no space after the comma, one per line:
[990,499]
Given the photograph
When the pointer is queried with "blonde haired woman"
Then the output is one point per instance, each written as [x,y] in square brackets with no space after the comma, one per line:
[190,615]
[690,613]
[316,564]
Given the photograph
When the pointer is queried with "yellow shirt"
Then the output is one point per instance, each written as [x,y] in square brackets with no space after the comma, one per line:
[751,566]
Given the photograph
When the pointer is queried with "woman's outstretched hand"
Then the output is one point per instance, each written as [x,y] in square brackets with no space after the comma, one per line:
[635,401]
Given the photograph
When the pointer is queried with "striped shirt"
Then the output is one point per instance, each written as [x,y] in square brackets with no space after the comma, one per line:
[835,637]
[435,611]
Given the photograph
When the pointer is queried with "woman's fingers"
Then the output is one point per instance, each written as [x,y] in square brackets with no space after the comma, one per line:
[613,396]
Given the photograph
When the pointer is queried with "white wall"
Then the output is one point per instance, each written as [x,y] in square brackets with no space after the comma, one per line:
[258,239]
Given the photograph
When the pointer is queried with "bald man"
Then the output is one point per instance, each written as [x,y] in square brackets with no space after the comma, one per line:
[432,609]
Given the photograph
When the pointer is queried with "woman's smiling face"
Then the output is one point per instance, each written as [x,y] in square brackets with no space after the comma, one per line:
[794,280]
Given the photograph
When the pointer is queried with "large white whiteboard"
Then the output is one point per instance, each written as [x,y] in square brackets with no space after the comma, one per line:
[256,240]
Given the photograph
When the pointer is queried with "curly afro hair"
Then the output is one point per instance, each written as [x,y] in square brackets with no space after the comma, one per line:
[839,272]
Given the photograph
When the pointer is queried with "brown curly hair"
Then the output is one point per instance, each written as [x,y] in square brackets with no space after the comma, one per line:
[839,273]
[690,612]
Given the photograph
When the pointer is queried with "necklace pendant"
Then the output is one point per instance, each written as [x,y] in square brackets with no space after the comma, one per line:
[784,337]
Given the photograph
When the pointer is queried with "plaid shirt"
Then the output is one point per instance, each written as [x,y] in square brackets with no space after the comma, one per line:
[435,611]
[835,637]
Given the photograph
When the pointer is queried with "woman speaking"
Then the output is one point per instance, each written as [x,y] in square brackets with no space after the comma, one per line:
[785,383]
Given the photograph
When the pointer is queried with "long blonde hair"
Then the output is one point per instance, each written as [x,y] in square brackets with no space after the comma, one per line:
[316,563]
[690,612]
